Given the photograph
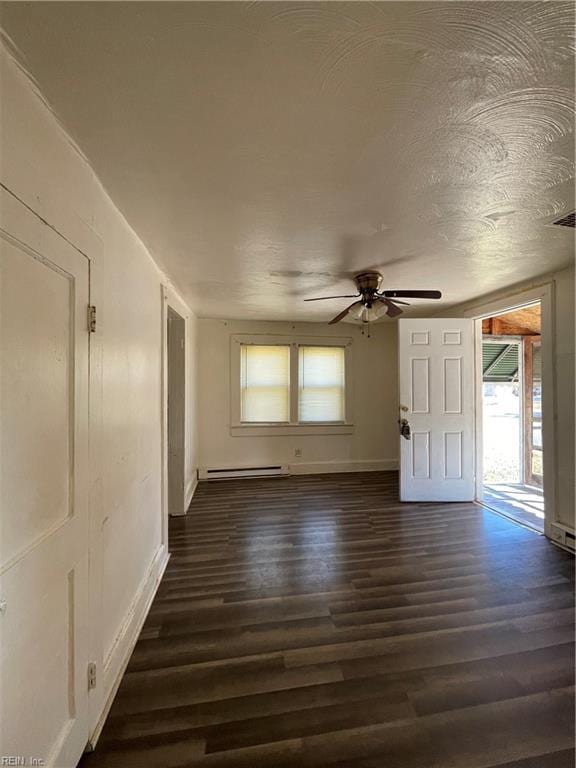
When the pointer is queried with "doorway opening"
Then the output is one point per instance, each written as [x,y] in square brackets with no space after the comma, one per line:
[176,388]
[512,415]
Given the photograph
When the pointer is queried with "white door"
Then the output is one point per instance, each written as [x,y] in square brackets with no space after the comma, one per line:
[43,491]
[437,400]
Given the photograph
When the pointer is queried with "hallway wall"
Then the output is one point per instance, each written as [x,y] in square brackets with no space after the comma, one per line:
[46,172]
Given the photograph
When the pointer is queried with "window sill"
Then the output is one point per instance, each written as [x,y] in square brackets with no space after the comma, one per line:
[256,430]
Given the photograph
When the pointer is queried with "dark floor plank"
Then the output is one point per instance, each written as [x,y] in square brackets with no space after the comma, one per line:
[316,621]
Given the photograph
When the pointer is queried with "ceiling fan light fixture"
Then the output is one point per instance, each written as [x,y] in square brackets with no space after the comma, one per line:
[375,312]
[357,311]
[369,314]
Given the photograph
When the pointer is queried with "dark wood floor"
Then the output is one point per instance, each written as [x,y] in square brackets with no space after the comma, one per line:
[315,621]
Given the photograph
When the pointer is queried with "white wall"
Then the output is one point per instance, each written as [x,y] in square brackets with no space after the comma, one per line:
[374,442]
[565,397]
[564,359]
[42,168]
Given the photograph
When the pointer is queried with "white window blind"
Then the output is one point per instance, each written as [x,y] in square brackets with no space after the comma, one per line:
[265,383]
[321,384]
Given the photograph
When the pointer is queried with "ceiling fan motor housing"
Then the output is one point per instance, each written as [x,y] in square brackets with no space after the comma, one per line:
[368,282]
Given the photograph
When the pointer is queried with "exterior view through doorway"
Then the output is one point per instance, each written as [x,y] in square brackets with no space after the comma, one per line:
[512,444]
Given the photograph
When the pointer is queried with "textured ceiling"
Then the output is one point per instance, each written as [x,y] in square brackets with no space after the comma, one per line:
[265,151]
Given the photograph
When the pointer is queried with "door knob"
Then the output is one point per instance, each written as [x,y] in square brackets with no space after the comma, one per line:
[405,429]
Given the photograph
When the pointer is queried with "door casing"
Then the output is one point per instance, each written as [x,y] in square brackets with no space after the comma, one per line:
[176,394]
[544,294]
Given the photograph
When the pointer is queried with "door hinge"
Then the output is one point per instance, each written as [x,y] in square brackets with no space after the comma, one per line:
[91,675]
[91,318]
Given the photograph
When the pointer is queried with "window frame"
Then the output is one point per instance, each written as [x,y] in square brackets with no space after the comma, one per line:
[293,427]
[299,349]
[265,423]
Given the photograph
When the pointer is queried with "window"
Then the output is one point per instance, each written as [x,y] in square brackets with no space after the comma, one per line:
[265,383]
[289,385]
[321,384]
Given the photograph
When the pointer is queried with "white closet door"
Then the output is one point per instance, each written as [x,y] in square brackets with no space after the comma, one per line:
[44,491]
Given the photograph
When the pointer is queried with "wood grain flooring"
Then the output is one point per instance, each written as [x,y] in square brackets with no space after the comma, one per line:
[316,621]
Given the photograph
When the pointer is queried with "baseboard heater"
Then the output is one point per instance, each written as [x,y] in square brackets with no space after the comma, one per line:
[235,472]
[563,537]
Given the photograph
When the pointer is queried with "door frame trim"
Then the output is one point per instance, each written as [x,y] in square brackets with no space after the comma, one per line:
[170,298]
[544,294]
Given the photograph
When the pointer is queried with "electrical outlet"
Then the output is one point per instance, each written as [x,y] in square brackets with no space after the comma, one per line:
[298,452]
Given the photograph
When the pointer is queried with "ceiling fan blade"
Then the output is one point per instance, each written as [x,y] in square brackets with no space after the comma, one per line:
[396,301]
[346,296]
[393,308]
[344,312]
[411,294]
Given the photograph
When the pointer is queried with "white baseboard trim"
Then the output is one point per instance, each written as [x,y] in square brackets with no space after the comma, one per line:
[117,658]
[190,491]
[325,467]
[62,753]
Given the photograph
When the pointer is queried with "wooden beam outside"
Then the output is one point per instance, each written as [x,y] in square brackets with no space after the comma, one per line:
[521,322]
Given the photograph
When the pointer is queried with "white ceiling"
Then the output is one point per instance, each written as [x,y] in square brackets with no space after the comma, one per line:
[265,151]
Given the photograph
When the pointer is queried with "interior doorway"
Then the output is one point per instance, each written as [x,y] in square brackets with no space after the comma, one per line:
[512,415]
[176,388]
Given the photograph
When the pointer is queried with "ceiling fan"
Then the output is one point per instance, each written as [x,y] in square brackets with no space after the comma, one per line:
[372,303]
